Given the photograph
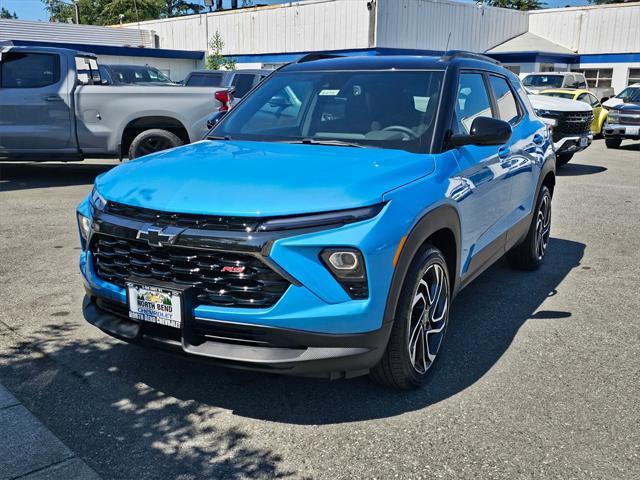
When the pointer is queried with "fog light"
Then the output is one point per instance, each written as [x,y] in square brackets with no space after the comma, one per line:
[84,224]
[347,267]
[343,260]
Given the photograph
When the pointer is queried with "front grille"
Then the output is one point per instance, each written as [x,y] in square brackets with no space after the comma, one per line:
[164,219]
[572,124]
[246,282]
[628,119]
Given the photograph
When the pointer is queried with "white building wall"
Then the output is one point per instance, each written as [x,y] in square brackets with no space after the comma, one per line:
[597,29]
[286,28]
[443,24]
[68,33]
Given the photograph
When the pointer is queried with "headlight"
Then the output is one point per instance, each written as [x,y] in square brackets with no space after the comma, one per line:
[347,267]
[613,117]
[84,224]
[548,117]
[96,200]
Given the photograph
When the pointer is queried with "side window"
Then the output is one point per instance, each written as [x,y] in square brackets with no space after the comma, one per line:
[582,83]
[29,70]
[506,101]
[472,101]
[243,83]
[88,72]
[594,101]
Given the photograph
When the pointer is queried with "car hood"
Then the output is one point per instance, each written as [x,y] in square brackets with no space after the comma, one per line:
[631,107]
[238,178]
[545,102]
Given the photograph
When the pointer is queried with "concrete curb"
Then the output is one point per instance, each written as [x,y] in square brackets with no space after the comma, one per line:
[29,451]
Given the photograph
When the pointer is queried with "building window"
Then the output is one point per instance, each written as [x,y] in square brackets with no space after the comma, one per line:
[634,76]
[597,77]
[546,67]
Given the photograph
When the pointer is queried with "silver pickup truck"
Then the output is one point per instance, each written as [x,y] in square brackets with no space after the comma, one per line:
[54,106]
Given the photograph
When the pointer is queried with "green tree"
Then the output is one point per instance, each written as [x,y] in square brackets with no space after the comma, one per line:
[175,8]
[217,61]
[4,13]
[59,11]
[107,12]
[518,4]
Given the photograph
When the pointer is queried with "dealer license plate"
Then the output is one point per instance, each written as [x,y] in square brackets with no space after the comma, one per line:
[633,131]
[155,305]
[584,141]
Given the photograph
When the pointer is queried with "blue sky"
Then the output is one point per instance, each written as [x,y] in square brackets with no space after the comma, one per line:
[33,9]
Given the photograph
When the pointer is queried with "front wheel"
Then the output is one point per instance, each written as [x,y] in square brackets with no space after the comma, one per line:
[152,141]
[613,142]
[529,254]
[420,323]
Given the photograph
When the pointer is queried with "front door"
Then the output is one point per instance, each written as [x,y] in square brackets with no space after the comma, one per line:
[35,106]
[482,188]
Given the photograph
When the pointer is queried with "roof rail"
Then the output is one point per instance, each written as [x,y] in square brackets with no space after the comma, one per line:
[452,54]
[310,57]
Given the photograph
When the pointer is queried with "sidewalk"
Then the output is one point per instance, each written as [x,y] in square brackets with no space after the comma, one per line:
[29,451]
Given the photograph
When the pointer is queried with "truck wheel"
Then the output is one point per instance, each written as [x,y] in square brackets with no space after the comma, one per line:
[419,325]
[563,158]
[613,142]
[151,141]
[529,254]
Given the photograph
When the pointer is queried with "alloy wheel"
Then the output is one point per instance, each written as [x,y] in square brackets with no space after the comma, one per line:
[152,145]
[543,226]
[428,318]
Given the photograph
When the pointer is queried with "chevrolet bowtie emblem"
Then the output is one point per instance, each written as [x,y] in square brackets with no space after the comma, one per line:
[158,236]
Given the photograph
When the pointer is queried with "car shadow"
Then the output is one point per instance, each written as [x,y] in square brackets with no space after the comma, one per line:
[23,176]
[634,147]
[576,169]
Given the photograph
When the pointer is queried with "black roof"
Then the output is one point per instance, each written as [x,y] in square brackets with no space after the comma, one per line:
[319,62]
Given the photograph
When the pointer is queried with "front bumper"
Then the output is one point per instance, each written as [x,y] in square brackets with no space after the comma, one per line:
[573,144]
[245,346]
[630,132]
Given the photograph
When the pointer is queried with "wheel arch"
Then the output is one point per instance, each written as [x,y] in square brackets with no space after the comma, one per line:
[148,122]
[440,227]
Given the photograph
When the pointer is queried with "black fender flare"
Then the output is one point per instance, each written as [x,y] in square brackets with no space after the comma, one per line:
[441,217]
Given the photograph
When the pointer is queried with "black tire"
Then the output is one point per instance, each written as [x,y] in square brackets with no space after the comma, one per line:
[613,142]
[563,158]
[397,368]
[529,254]
[151,141]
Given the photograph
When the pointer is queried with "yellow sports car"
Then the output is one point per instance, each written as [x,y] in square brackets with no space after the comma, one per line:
[599,112]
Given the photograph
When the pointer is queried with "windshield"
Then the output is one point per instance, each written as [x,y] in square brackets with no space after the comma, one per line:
[633,93]
[546,81]
[558,94]
[391,109]
[124,74]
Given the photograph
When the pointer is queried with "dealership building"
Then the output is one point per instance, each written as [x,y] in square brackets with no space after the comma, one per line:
[601,41]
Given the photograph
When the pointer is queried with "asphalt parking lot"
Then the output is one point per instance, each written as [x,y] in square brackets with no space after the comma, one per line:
[540,376]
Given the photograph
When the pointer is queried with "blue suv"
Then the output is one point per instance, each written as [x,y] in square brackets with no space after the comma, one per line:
[327,222]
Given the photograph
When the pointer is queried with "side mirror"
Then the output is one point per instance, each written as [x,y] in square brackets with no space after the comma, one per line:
[484,131]
[604,99]
[215,119]
[626,99]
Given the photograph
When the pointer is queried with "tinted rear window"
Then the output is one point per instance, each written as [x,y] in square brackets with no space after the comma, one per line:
[205,80]
[29,70]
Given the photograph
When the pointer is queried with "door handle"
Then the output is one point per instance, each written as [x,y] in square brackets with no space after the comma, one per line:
[53,98]
[504,153]
[538,139]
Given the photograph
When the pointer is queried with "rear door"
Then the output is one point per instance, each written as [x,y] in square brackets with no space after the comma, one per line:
[482,186]
[522,154]
[35,105]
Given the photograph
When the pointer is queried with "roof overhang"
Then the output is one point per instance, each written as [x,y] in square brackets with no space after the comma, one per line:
[118,51]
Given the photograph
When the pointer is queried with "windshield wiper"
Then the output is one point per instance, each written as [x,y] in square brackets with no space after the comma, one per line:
[330,142]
